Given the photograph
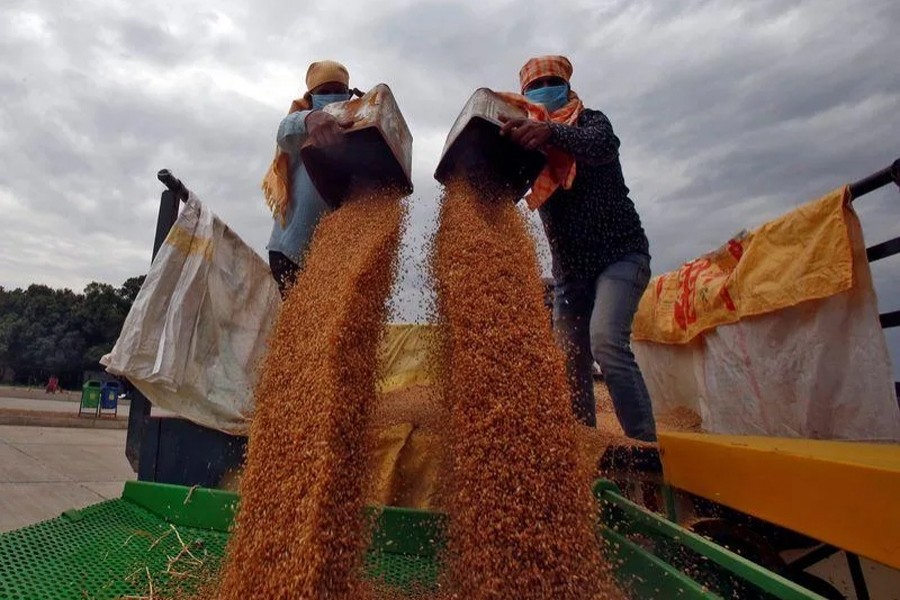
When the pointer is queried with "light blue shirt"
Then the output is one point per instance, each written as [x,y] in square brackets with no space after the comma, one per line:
[306,206]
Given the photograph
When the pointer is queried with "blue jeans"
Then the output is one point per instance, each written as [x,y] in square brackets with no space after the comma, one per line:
[592,319]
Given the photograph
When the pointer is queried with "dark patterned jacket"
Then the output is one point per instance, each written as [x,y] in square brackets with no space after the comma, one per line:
[594,224]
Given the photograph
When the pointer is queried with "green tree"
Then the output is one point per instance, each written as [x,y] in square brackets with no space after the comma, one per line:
[46,331]
[129,290]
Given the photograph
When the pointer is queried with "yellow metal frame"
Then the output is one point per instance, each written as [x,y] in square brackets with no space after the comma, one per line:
[843,493]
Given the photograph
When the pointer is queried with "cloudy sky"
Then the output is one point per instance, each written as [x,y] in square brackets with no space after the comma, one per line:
[730,113]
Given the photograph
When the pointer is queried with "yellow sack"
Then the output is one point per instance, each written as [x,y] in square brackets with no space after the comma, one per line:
[405,460]
[803,255]
[405,356]
[388,445]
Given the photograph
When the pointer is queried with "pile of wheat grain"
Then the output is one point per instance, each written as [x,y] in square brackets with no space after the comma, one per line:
[522,519]
[300,531]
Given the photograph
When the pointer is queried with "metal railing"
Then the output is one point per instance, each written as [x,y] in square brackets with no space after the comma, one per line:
[873,182]
[139,411]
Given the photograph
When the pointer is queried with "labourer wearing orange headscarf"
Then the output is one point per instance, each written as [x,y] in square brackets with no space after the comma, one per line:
[295,203]
[601,259]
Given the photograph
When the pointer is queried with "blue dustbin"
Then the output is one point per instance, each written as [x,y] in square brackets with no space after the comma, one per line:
[109,397]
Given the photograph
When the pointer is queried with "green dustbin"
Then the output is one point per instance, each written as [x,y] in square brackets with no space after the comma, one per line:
[90,397]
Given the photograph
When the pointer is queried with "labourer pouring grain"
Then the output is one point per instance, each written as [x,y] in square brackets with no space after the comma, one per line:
[289,192]
[601,260]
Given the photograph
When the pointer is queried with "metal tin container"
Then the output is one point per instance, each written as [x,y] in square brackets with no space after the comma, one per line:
[475,149]
[376,153]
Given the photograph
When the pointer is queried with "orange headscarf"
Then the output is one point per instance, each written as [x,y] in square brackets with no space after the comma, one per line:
[560,167]
[276,184]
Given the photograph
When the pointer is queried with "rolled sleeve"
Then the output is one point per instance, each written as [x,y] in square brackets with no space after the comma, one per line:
[292,131]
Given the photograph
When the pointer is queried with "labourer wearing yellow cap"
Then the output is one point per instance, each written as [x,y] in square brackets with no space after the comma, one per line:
[601,258]
[295,203]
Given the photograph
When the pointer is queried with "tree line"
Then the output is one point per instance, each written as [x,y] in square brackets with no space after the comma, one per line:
[46,331]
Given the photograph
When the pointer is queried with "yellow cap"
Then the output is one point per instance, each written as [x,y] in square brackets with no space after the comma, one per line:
[326,71]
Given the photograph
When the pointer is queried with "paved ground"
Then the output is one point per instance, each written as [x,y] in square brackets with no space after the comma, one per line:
[39,393]
[50,404]
[62,405]
[46,470]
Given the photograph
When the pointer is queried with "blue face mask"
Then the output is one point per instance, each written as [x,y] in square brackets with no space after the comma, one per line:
[320,101]
[553,97]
